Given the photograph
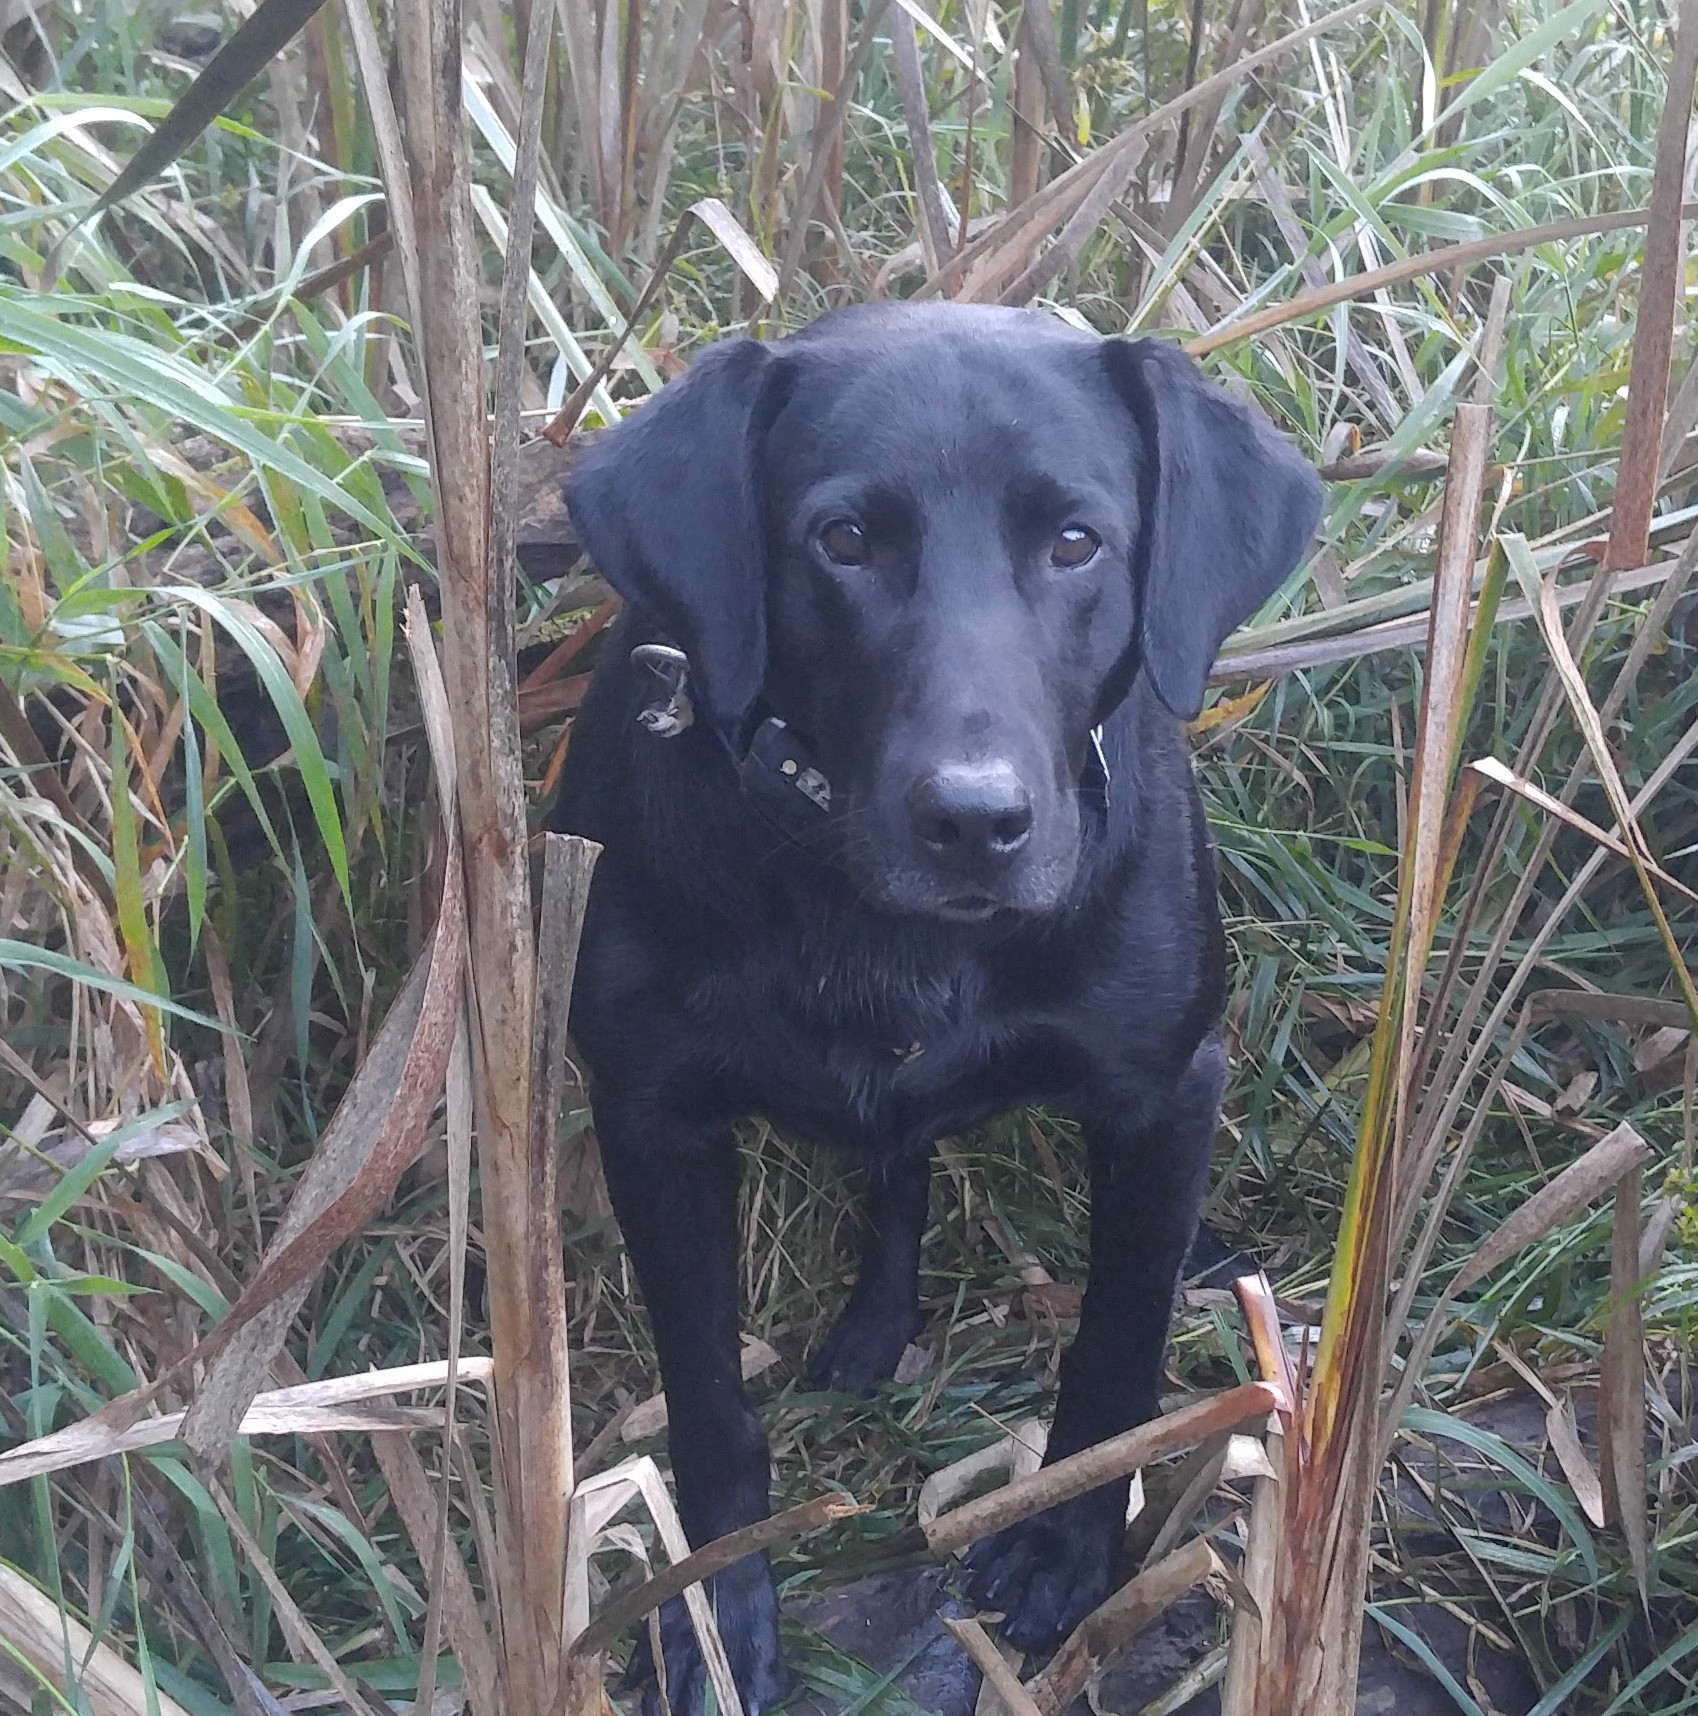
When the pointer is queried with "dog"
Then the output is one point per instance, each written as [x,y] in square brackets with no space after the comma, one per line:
[887,760]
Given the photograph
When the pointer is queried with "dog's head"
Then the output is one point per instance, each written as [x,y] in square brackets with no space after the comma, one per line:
[941,542]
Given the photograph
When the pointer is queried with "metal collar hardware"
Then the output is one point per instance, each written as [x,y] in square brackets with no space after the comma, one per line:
[673,713]
[1101,760]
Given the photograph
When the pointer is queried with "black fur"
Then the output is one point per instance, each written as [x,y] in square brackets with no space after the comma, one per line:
[966,930]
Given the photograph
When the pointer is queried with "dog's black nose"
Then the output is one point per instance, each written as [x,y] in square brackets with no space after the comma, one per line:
[972,812]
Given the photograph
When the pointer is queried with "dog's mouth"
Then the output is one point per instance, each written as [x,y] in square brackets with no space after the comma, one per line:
[968,908]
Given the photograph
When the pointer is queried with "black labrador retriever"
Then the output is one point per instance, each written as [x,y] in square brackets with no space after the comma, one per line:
[901,832]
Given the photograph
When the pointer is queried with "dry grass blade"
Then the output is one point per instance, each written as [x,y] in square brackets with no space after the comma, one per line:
[1592,1004]
[1008,246]
[1591,728]
[1190,1686]
[594,1503]
[1020,1453]
[449,1584]
[371,1142]
[1101,1464]
[1252,662]
[1576,1467]
[459,1143]
[1580,1184]
[1443,690]
[738,245]
[1489,768]
[1660,279]
[1196,1478]
[1255,1297]
[1101,196]
[568,864]
[647,1418]
[1249,1648]
[296,1410]
[162,1561]
[391,147]
[711,213]
[303,1638]
[1449,257]
[1621,1389]
[452,1591]
[33,1627]
[510,340]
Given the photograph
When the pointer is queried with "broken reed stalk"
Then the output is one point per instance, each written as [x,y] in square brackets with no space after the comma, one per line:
[1000,1677]
[1109,1627]
[1621,1390]
[629,1607]
[1653,336]
[1103,1463]
[1312,1567]
[515,1067]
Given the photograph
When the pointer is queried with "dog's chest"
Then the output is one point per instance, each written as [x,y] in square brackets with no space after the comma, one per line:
[878,1047]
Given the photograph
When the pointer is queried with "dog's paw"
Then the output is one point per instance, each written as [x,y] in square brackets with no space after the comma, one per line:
[1047,1573]
[863,1347]
[746,1609]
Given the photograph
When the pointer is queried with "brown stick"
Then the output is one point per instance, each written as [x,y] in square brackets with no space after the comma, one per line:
[630,1606]
[1419,466]
[975,1641]
[827,129]
[932,228]
[1653,336]
[527,1294]
[568,863]
[1109,1626]
[1621,1397]
[410,1489]
[1098,1465]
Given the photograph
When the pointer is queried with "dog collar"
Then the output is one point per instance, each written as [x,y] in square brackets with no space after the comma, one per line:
[776,769]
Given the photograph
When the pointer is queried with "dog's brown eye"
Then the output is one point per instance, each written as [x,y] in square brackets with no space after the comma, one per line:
[846,543]
[1074,546]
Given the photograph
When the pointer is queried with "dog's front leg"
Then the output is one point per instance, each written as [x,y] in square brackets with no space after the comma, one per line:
[674,1190]
[883,1311]
[1047,1573]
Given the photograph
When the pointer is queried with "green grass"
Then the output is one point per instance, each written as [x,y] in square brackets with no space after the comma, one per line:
[182,486]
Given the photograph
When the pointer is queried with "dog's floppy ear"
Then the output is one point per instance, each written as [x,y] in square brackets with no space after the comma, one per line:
[666,505]
[1228,509]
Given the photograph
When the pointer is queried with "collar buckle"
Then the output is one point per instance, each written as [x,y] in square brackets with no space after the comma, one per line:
[672,712]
